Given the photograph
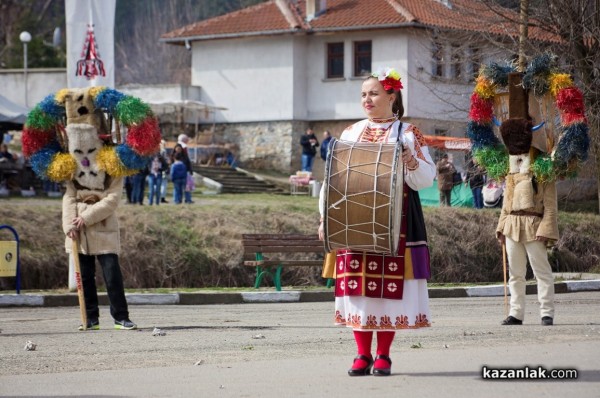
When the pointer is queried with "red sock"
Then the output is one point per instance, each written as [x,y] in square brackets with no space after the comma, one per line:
[363,343]
[384,342]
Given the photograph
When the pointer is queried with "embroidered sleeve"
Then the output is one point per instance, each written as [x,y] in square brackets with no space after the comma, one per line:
[419,141]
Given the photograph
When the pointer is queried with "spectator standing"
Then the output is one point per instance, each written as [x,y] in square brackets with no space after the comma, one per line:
[445,174]
[178,175]
[155,169]
[179,148]
[325,144]
[309,149]
[476,180]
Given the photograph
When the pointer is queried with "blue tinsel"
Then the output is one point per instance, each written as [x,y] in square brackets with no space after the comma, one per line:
[574,144]
[51,108]
[481,135]
[108,99]
[537,72]
[130,159]
[498,73]
[40,161]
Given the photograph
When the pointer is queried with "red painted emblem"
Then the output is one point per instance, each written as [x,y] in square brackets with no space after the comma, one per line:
[90,65]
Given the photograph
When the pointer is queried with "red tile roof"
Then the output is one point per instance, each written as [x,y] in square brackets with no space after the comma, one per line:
[289,16]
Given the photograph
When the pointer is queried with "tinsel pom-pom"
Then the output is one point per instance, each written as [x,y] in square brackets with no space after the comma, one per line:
[130,159]
[481,135]
[33,140]
[573,144]
[482,110]
[497,73]
[94,91]
[537,72]
[494,160]
[61,95]
[40,161]
[132,110]
[52,108]
[485,88]
[39,120]
[570,100]
[109,162]
[62,167]
[108,99]
[558,81]
[144,138]
[543,168]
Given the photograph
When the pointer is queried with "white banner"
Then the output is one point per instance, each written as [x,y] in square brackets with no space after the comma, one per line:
[90,42]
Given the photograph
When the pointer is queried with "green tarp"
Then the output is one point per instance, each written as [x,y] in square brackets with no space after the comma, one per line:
[461,196]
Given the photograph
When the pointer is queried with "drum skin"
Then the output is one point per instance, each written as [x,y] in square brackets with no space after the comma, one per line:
[364,194]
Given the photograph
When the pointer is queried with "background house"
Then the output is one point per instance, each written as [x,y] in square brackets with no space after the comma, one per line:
[283,65]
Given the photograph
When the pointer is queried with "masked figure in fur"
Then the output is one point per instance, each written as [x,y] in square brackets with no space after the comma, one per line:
[81,154]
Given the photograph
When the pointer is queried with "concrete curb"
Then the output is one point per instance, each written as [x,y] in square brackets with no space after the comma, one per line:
[285,296]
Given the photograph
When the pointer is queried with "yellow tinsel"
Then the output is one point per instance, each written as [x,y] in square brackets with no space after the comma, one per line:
[485,88]
[94,91]
[109,162]
[62,167]
[558,81]
[60,96]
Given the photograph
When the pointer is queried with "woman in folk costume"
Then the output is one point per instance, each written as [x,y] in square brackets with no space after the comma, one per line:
[402,301]
[67,139]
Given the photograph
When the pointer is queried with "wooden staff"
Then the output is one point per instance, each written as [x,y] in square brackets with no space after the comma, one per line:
[504,274]
[75,253]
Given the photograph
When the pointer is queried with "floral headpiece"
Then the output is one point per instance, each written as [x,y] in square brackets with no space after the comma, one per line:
[389,78]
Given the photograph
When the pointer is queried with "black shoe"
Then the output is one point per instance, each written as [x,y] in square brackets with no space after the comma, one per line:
[547,321]
[163,200]
[362,371]
[511,320]
[383,371]
[92,324]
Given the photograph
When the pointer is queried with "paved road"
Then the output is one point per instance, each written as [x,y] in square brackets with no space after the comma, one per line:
[292,350]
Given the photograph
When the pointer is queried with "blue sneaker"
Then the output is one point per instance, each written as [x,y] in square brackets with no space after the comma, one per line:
[125,324]
[92,324]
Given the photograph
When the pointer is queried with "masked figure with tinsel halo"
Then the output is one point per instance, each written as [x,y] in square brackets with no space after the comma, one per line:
[67,139]
[528,220]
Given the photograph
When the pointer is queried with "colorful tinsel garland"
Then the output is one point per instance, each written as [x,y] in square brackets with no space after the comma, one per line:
[50,160]
[541,76]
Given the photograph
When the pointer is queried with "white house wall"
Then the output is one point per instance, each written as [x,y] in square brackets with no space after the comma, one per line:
[252,77]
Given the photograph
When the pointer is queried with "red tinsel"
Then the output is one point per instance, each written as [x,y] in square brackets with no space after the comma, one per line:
[144,138]
[33,140]
[572,118]
[482,110]
[570,100]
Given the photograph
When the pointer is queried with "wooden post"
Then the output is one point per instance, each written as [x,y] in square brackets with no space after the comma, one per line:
[523,34]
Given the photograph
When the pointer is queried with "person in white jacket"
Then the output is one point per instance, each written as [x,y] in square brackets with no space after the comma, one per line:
[383,292]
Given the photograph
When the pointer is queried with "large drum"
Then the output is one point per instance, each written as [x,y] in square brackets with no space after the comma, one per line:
[363,201]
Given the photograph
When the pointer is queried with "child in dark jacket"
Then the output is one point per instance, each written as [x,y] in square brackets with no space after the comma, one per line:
[179,177]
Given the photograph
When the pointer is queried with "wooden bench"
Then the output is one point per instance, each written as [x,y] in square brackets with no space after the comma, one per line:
[256,245]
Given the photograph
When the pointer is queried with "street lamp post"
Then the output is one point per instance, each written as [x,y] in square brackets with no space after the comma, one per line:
[25,38]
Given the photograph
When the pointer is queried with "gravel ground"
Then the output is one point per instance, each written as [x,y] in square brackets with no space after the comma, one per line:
[219,334]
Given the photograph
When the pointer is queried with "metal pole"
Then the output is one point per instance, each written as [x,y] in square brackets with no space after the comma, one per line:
[25,72]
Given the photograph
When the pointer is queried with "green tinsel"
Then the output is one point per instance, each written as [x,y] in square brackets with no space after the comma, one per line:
[543,168]
[38,120]
[494,160]
[132,110]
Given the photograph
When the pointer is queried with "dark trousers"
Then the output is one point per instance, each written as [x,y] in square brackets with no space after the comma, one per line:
[477,197]
[445,197]
[113,280]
